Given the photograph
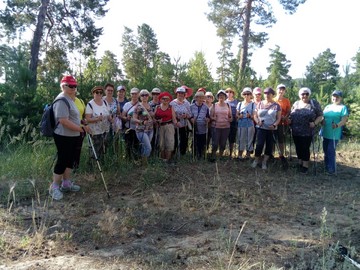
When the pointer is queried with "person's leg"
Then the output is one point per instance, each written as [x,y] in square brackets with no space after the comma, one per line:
[184,135]
[250,135]
[330,155]
[298,145]
[260,142]
[269,142]
[281,139]
[240,143]
[232,137]
[215,143]
[201,142]
[224,135]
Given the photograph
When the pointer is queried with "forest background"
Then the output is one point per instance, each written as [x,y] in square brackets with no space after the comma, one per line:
[64,39]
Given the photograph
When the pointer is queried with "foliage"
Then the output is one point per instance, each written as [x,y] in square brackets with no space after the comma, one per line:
[278,69]
[199,71]
[322,72]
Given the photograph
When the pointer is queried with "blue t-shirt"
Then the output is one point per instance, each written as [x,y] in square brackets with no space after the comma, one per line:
[246,109]
[333,114]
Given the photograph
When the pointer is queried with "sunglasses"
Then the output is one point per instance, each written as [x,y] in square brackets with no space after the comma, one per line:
[98,92]
[71,86]
[305,94]
[144,95]
[165,98]
[268,93]
[155,94]
[246,94]
[209,97]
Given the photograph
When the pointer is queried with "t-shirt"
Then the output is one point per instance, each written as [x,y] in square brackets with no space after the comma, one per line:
[199,113]
[285,109]
[61,110]
[267,113]
[164,115]
[233,105]
[81,106]
[244,109]
[302,114]
[333,114]
[143,115]
[129,108]
[95,111]
[180,109]
[221,114]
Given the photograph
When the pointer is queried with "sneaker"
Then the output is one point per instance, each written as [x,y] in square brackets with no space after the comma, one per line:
[254,164]
[263,166]
[68,186]
[304,170]
[55,193]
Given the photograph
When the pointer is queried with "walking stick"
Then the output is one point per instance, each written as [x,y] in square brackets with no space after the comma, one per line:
[98,164]
[313,146]
[334,145]
[193,142]
[206,139]
[290,154]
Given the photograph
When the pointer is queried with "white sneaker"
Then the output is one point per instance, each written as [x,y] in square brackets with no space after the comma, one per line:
[55,193]
[263,166]
[69,186]
[254,164]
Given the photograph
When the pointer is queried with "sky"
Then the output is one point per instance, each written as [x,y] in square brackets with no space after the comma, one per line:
[181,29]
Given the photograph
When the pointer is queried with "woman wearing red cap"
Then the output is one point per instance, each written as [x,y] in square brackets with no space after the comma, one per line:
[165,116]
[66,136]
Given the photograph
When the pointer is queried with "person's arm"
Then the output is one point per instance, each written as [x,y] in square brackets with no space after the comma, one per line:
[175,122]
[278,119]
[341,123]
[65,122]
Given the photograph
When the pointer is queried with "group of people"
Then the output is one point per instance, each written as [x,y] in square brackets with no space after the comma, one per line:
[156,123]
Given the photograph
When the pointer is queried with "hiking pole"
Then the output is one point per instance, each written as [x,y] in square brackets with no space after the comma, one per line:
[206,138]
[193,142]
[284,163]
[178,142]
[334,145]
[290,154]
[98,164]
[343,252]
[313,147]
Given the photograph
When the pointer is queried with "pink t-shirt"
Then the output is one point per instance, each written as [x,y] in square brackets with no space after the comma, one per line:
[222,114]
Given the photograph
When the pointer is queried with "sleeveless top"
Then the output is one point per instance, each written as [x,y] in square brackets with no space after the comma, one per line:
[164,115]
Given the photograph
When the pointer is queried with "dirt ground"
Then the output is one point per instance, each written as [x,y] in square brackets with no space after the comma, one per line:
[192,215]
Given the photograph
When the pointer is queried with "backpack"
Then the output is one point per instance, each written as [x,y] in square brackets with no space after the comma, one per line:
[47,124]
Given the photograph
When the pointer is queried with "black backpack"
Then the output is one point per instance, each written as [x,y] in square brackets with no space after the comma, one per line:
[47,124]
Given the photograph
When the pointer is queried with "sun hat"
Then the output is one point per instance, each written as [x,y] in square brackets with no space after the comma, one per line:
[246,90]
[257,90]
[145,92]
[229,90]
[199,94]
[156,91]
[134,90]
[337,93]
[202,89]
[209,94]
[304,90]
[97,88]
[269,90]
[281,86]
[165,94]
[221,91]
[120,87]
[69,80]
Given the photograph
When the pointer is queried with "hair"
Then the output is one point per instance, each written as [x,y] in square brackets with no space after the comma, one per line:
[109,84]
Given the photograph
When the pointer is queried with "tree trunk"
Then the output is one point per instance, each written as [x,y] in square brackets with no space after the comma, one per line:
[35,45]
[245,42]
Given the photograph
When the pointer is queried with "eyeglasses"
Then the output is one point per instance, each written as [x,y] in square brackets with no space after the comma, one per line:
[246,94]
[165,98]
[98,92]
[144,95]
[155,94]
[71,86]
[305,94]
[257,94]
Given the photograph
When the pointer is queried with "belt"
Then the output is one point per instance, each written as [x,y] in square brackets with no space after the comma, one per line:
[165,123]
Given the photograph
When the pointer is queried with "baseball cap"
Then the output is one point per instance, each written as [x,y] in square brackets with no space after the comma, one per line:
[269,90]
[337,93]
[199,94]
[156,91]
[257,90]
[134,90]
[246,90]
[68,79]
[180,90]
[120,87]
[304,90]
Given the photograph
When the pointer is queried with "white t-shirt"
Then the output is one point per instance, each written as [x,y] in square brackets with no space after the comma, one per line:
[129,109]
[95,111]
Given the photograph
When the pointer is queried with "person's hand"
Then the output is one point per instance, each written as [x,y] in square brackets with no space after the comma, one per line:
[240,115]
[289,121]
[312,124]
[248,115]
[334,126]
[86,129]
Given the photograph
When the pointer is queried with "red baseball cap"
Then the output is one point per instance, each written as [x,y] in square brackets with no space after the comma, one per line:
[68,79]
